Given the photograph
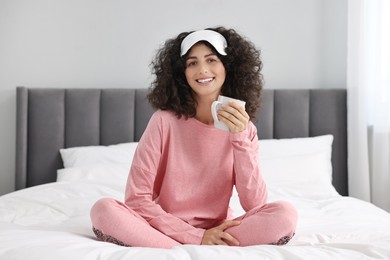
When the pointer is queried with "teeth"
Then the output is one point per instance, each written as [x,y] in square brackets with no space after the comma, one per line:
[204,80]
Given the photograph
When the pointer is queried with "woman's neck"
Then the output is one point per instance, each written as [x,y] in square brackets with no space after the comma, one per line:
[203,111]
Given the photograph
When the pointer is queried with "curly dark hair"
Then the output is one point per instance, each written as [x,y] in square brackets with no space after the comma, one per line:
[170,90]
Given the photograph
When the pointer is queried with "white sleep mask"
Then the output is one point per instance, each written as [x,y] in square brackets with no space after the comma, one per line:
[214,38]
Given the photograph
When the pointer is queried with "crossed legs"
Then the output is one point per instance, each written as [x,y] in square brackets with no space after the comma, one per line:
[113,221]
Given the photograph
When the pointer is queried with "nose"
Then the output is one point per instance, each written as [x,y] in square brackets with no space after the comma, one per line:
[203,68]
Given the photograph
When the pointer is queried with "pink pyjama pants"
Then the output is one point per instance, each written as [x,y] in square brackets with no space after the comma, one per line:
[113,221]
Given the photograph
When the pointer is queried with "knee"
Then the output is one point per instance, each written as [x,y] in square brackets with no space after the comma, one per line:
[284,208]
[102,205]
[101,211]
[287,215]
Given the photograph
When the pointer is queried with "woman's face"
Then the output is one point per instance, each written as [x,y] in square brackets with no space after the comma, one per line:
[204,72]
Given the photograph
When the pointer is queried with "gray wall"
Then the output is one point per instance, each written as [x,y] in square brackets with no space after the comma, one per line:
[101,43]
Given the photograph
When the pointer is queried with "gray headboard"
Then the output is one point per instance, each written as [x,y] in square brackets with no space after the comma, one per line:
[49,119]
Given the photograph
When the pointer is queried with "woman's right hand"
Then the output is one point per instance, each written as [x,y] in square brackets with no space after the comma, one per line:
[218,236]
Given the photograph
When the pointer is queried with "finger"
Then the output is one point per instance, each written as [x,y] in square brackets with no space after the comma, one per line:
[220,242]
[235,119]
[236,106]
[230,239]
[228,224]
[234,114]
[241,110]
[233,127]
[232,108]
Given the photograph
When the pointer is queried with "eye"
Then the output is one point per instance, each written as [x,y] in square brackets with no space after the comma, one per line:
[210,60]
[191,63]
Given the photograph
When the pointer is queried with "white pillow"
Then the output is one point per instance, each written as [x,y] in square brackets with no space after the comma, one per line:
[92,155]
[108,172]
[299,167]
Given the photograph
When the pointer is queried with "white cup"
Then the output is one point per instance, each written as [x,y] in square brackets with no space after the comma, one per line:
[216,105]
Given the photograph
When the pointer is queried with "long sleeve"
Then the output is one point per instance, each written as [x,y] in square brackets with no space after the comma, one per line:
[183,172]
[144,183]
[250,185]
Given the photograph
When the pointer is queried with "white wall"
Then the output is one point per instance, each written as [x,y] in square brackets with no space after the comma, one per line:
[102,43]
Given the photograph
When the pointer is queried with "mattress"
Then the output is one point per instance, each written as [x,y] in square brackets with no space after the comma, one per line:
[51,221]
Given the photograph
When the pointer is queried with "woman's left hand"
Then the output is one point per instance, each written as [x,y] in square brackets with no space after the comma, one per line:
[234,116]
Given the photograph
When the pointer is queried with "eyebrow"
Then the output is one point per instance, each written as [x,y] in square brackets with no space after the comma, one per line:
[208,55]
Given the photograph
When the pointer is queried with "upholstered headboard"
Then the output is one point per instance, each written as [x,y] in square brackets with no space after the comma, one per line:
[50,119]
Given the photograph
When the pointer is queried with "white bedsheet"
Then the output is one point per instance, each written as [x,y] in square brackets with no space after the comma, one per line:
[51,221]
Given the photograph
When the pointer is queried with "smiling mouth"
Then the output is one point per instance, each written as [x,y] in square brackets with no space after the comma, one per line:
[204,80]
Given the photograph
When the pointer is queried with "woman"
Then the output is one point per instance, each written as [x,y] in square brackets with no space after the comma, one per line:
[184,169]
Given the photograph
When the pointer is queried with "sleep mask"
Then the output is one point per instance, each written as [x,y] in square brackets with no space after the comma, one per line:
[214,38]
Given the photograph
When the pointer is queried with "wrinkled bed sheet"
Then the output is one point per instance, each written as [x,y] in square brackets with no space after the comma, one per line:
[51,221]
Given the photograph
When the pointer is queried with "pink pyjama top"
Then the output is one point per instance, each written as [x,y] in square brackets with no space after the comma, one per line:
[183,173]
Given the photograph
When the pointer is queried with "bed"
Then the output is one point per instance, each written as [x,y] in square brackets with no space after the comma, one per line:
[75,146]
